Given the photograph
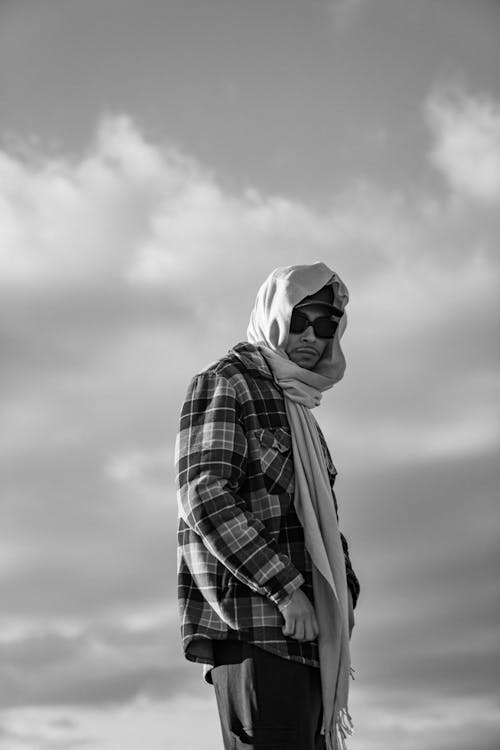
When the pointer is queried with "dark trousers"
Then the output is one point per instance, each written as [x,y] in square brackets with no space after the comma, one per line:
[266,702]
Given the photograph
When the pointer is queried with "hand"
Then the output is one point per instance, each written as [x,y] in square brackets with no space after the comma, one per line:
[350,611]
[300,618]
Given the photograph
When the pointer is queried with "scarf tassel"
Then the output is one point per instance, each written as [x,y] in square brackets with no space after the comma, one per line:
[340,730]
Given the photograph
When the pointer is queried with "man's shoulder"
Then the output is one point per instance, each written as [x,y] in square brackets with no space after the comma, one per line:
[243,360]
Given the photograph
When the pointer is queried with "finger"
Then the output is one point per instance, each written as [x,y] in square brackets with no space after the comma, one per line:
[288,628]
[312,630]
[299,632]
[308,633]
[315,628]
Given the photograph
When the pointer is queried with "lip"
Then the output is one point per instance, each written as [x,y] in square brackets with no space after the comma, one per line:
[306,350]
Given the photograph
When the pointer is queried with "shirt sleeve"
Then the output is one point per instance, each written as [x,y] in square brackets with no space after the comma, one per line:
[211,457]
[352,579]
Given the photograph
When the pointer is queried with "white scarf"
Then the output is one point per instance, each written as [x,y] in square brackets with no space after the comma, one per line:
[302,388]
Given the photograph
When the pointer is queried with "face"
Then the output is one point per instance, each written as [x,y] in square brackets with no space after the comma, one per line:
[305,349]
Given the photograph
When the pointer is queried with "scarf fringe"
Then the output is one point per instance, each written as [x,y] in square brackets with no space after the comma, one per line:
[340,730]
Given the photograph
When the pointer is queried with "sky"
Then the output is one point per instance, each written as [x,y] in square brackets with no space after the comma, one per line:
[157,161]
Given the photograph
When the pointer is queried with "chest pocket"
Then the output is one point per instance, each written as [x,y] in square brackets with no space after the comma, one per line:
[276,460]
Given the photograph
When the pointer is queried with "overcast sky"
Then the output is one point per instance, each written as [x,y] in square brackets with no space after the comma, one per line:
[157,161]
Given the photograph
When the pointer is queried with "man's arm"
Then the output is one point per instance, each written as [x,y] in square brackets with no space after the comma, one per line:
[211,455]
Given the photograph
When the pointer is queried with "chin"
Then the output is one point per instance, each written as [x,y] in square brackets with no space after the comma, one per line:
[308,363]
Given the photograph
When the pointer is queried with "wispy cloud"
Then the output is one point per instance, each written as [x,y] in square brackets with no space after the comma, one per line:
[142,723]
[466,130]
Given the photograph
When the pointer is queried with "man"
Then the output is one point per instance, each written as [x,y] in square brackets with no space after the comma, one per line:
[266,587]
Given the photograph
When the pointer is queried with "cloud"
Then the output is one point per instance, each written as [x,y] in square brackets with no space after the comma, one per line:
[154,724]
[82,220]
[408,720]
[466,148]
[130,267]
[105,662]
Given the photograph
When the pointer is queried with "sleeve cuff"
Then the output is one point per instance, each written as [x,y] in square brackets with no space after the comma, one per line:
[284,584]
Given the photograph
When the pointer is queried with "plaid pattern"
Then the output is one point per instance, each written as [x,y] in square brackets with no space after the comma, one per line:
[240,544]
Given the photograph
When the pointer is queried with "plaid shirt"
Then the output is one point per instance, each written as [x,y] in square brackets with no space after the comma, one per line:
[240,544]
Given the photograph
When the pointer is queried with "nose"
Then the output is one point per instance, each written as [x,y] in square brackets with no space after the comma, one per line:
[308,334]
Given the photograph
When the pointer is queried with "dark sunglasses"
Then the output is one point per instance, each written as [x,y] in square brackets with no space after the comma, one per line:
[324,328]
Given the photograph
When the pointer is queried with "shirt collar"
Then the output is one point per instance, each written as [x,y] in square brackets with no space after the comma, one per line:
[253,360]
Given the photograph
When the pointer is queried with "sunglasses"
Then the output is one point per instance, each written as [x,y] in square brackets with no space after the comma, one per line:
[324,328]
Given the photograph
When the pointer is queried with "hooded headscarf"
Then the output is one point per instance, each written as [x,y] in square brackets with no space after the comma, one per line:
[302,388]
[270,319]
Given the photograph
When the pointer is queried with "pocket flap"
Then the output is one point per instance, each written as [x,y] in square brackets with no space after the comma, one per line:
[279,438]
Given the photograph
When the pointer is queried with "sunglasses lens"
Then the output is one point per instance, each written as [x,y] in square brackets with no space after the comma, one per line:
[324,328]
[298,322]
